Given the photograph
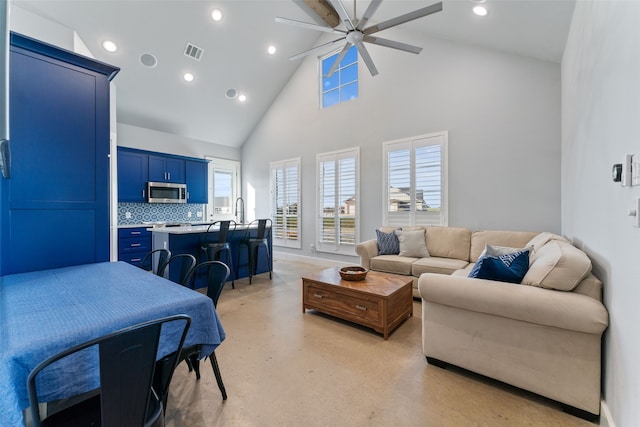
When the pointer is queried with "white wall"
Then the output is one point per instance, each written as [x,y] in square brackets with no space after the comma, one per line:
[152,140]
[503,116]
[600,124]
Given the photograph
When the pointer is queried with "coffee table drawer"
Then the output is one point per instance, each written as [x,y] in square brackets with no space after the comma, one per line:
[347,304]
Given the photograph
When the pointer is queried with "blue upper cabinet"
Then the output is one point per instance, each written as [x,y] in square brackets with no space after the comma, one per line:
[166,169]
[133,173]
[197,172]
[55,206]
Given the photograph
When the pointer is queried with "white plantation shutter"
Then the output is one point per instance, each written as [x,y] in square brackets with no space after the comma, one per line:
[285,202]
[415,181]
[338,201]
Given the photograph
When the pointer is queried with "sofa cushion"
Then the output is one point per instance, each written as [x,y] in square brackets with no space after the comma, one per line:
[412,243]
[541,239]
[387,243]
[509,267]
[449,242]
[437,265]
[512,239]
[392,264]
[558,265]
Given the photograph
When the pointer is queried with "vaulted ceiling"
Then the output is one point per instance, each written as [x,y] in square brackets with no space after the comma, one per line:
[235,50]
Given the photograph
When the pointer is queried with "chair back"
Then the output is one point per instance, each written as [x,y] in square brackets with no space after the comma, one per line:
[263,229]
[147,262]
[226,228]
[126,366]
[183,262]
[217,275]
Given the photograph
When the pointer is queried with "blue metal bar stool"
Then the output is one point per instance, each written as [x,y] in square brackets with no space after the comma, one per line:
[253,245]
[213,248]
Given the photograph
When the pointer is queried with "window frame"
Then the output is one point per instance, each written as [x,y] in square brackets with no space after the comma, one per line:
[286,241]
[337,246]
[321,90]
[413,218]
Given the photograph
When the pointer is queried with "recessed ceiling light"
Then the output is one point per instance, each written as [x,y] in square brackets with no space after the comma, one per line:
[148,60]
[242,98]
[188,77]
[271,50]
[480,10]
[216,14]
[109,46]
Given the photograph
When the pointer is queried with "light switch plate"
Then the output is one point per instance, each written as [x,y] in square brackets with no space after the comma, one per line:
[635,169]
[626,170]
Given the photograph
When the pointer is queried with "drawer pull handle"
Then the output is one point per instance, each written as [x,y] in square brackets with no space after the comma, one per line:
[136,259]
[318,296]
[133,233]
[135,245]
[361,307]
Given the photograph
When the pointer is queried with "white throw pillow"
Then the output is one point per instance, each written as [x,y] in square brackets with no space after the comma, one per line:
[490,250]
[412,243]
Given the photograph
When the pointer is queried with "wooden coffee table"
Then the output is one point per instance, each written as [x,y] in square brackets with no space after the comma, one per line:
[381,301]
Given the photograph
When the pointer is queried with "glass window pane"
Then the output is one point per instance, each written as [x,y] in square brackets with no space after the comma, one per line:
[329,83]
[350,57]
[330,98]
[327,63]
[348,92]
[349,74]
[222,185]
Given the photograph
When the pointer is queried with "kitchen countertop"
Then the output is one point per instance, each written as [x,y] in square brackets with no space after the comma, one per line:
[189,229]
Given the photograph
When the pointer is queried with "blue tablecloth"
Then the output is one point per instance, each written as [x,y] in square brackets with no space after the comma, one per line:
[44,312]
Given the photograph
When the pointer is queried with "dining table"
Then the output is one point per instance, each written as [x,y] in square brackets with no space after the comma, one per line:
[45,312]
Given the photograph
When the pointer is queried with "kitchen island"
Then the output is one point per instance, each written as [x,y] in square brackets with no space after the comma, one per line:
[188,239]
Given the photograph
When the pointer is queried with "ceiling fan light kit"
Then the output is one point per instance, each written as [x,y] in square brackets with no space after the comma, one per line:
[355,32]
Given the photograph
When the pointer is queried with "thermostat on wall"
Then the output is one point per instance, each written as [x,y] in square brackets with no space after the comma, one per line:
[616,172]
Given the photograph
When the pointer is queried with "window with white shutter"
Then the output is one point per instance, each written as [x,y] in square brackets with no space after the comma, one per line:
[285,203]
[338,201]
[415,181]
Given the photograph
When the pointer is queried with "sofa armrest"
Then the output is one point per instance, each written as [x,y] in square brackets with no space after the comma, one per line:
[566,310]
[367,250]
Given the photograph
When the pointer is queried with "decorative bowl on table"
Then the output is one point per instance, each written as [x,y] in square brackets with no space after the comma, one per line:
[354,273]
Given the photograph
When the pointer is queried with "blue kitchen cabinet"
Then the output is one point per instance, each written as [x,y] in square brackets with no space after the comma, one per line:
[54,208]
[197,172]
[133,173]
[166,169]
[133,244]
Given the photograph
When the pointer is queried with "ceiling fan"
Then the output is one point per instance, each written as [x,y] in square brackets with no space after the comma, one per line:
[355,32]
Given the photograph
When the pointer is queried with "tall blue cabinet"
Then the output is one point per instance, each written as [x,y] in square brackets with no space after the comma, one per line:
[54,210]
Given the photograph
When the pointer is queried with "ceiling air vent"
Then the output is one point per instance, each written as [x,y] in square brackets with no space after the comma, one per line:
[193,51]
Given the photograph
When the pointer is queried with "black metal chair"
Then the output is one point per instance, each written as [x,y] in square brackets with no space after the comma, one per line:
[127,360]
[217,274]
[148,263]
[253,245]
[213,248]
[183,262]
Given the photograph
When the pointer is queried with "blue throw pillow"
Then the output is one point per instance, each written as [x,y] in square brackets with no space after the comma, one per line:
[504,268]
[388,243]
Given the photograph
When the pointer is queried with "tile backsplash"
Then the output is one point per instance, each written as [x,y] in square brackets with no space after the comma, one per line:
[170,212]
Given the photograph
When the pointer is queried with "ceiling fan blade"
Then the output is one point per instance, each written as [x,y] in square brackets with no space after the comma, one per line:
[366,58]
[436,7]
[316,49]
[373,6]
[338,60]
[307,25]
[342,12]
[392,44]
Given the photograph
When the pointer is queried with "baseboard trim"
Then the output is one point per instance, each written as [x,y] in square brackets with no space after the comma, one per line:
[322,262]
[606,420]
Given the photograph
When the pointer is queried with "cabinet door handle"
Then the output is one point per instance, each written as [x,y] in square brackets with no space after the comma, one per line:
[143,194]
[168,176]
[361,307]
[318,296]
[135,245]
[135,232]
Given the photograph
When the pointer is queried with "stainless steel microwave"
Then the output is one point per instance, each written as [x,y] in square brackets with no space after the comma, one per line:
[165,192]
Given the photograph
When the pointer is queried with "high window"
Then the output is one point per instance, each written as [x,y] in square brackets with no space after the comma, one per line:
[338,201]
[415,177]
[343,84]
[224,189]
[285,202]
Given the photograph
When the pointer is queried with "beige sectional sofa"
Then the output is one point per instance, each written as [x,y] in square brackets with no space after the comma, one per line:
[543,335]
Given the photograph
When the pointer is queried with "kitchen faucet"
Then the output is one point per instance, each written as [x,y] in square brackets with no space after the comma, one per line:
[235,212]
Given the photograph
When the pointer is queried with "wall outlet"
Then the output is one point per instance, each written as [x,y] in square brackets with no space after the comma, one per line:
[189,214]
[635,169]
[199,214]
[127,215]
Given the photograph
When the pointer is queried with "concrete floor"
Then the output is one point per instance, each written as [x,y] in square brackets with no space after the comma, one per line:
[285,368]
